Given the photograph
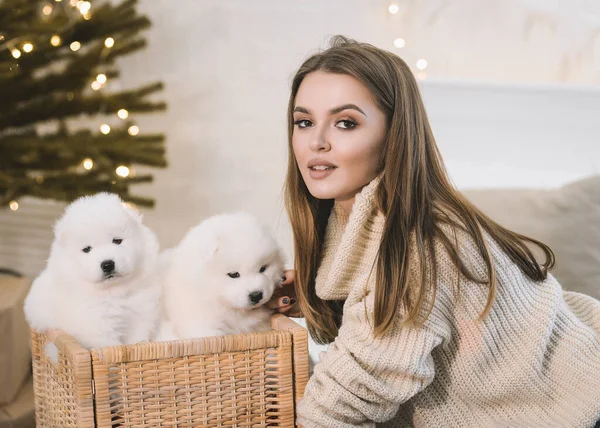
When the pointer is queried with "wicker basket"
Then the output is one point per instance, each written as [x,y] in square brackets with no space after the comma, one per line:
[245,380]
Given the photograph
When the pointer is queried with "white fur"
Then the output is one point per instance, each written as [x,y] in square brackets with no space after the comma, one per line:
[199,297]
[74,294]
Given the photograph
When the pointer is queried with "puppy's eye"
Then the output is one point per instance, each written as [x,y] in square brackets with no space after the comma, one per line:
[117,241]
[87,249]
[233,275]
[264,268]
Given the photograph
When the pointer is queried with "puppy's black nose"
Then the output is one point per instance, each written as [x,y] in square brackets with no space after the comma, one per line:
[255,297]
[107,266]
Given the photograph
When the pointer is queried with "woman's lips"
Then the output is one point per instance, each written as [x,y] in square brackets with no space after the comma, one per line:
[319,173]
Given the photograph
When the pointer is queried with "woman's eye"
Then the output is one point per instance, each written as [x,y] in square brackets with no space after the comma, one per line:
[346,124]
[264,268]
[233,275]
[117,241]
[303,123]
[87,249]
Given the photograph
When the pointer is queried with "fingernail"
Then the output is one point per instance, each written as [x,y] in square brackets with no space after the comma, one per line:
[283,278]
[292,301]
[286,301]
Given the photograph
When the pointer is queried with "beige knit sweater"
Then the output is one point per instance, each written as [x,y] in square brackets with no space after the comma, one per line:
[533,362]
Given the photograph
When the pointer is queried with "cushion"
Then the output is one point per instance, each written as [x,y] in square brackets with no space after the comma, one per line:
[567,219]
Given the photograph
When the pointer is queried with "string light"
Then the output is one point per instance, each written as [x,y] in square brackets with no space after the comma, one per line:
[73,2]
[393,9]
[84,6]
[96,85]
[16,53]
[104,128]
[27,47]
[109,42]
[122,171]
[421,64]
[14,205]
[133,130]
[57,1]
[123,114]
[87,16]
[101,78]
[399,42]
[55,40]
[47,9]
[75,46]
[88,163]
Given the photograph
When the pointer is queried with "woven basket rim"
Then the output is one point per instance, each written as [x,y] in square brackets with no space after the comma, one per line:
[191,347]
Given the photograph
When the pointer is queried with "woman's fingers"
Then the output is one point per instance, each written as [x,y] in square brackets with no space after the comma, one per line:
[294,312]
[286,301]
[274,303]
[285,304]
[284,298]
[288,277]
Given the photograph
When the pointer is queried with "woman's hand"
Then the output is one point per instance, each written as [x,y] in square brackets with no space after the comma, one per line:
[284,299]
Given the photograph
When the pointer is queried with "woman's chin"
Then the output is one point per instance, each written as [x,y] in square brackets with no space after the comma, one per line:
[322,191]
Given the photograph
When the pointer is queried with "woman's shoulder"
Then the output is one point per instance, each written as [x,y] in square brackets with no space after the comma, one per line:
[456,237]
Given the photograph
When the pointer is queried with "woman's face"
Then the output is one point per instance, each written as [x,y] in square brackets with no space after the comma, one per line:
[338,136]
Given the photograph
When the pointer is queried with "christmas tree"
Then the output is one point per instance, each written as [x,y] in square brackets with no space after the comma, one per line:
[57,63]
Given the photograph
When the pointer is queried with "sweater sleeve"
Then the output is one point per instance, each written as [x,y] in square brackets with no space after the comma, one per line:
[362,380]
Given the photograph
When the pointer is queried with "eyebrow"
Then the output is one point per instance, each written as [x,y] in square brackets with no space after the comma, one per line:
[334,110]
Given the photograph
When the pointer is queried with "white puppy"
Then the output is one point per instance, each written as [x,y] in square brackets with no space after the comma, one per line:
[100,284]
[217,280]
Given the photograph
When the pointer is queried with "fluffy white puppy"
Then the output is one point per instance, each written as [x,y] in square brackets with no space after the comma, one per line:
[217,280]
[100,284]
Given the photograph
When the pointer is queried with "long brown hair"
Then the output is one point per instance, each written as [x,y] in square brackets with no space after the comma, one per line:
[415,196]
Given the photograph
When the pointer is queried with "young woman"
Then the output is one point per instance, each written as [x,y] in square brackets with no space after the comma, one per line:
[435,315]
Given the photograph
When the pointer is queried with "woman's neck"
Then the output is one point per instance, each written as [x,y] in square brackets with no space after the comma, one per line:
[345,204]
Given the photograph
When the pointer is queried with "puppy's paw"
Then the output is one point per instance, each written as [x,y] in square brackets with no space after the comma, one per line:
[165,332]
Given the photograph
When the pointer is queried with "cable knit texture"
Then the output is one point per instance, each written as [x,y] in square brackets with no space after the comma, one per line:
[533,361]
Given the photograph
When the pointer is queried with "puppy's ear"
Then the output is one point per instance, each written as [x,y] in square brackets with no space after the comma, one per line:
[62,238]
[61,234]
[133,212]
[209,246]
[210,250]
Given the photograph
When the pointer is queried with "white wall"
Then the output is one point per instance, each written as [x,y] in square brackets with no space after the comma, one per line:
[509,135]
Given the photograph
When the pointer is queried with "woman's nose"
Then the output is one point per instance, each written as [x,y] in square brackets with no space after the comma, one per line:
[320,140]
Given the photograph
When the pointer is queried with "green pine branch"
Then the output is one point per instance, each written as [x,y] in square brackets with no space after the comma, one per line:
[53,84]
[61,150]
[46,108]
[67,186]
